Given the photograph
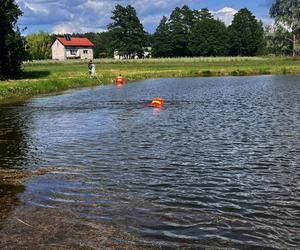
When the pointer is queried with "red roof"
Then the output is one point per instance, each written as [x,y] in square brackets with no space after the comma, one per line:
[76,41]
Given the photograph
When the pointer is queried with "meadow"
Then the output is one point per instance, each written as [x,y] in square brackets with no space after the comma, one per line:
[41,77]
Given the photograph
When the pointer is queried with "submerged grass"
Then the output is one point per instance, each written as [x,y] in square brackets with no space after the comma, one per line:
[51,76]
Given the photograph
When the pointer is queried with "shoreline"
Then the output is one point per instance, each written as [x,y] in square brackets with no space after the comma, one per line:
[23,224]
[46,77]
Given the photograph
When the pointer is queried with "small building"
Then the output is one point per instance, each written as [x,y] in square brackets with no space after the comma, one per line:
[68,47]
[146,54]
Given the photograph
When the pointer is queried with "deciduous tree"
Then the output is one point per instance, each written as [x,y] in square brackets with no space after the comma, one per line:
[287,12]
[278,40]
[12,45]
[38,45]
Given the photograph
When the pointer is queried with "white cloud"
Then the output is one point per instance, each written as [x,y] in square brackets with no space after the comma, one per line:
[68,16]
[267,21]
[72,27]
[152,11]
[89,15]
[225,14]
[154,19]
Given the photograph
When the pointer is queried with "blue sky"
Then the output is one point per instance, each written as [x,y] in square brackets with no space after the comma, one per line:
[67,16]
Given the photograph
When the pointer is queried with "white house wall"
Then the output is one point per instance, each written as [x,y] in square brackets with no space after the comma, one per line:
[58,51]
[69,53]
[89,55]
[79,52]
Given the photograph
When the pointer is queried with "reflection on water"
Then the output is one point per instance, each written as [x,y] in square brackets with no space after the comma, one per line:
[13,146]
[217,166]
[13,143]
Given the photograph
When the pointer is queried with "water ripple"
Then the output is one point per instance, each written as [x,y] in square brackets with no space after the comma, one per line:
[218,166]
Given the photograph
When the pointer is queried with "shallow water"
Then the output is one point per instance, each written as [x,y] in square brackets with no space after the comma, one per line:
[218,166]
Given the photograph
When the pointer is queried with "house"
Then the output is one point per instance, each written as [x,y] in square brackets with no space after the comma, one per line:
[68,47]
[146,54]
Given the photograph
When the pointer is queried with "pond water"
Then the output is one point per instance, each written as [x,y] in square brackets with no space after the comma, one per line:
[217,166]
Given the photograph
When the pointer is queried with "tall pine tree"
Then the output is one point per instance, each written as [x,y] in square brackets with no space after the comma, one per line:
[209,38]
[181,22]
[161,45]
[172,36]
[203,14]
[246,34]
[12,49]
[127,32]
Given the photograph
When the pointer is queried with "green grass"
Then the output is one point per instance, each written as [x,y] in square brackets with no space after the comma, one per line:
[52,76]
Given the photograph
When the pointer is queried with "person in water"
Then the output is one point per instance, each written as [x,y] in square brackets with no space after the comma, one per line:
[119,79]
[92,69]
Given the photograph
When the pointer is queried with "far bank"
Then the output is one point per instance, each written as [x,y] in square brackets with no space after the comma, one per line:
[41,77]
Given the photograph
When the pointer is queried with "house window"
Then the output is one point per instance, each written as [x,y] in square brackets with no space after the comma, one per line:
[73,52]
[85,51]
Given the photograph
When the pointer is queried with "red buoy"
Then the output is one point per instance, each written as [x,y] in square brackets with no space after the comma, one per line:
[157,103]
[120,80]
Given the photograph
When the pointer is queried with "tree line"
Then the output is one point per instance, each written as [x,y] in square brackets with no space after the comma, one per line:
[186,32]
[196,33]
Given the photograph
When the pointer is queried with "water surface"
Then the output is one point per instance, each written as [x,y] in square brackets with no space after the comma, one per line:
[218,166]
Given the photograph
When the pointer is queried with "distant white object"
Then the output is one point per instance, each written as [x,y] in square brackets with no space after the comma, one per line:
[225,14]
[68,47]
[146,54]
[93,70]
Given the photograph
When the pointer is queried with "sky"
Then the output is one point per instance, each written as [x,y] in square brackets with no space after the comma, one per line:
[79,16]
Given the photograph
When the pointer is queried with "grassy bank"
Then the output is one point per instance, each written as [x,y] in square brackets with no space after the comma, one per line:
[51,76]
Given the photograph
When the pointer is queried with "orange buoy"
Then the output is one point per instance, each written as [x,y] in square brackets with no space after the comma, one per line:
[157,102]
[119,80]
